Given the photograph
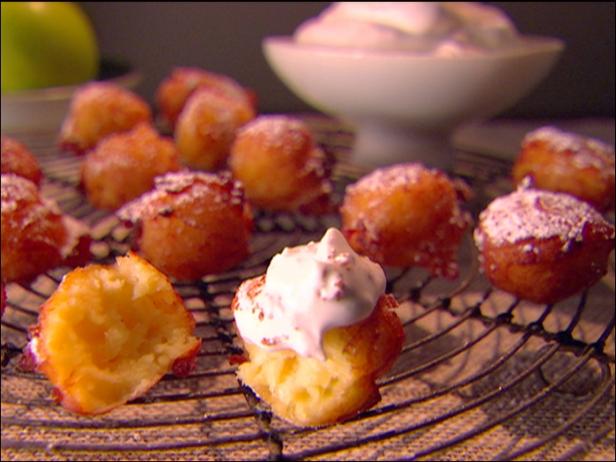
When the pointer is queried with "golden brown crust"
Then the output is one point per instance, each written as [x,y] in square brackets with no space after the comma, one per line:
[405,215]
[203,226]
[174,91]
[580,167]
[123,166]
[33,232]
[310,392]
[36,236]
[547,274]
[97,110]
[17,159]
[543,246]
[280,166]
[133,329]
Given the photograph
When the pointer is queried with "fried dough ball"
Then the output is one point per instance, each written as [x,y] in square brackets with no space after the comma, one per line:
[207,126]
[276,159]
[543,246]
[36,236]
[405,215]
[560,161]
[99,109]
[17,159]
[109,333]
[192,224]
[123,166]
[308,391]
[173,92]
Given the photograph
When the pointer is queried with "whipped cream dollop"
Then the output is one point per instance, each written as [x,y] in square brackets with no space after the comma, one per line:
[435,28]
[308,290]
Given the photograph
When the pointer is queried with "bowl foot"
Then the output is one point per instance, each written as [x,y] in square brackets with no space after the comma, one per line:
[376,145]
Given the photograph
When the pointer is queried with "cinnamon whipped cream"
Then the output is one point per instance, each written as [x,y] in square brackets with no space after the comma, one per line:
[308,290]
[435,28]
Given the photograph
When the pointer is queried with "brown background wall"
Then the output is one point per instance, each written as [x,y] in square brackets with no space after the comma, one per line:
[226,37]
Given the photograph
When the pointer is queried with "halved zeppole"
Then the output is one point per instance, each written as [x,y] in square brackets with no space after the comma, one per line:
[109,333]
[319,330]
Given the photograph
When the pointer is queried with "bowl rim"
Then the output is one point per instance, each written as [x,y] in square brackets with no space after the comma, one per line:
[527,44]
[128,77]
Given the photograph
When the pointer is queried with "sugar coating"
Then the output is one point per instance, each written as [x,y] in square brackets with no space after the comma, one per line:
[142,144]
[286,141]
[16,158]
[193,78]
[587,152]
[115,104]
[186,188]
[386,178]
[214,115]
[104,90]
[17,190]
[178,181]
[274,126]
[528,213]
[283,133]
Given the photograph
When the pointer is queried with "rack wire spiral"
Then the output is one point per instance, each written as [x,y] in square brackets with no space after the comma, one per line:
[482,375]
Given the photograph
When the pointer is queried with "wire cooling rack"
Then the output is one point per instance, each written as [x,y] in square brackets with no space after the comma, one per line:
[482,375]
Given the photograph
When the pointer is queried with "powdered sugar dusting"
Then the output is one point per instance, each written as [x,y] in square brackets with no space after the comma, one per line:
[18,191]
[210,113]
[186,187]
[274,126]
[389,177]
[279,131]
[528,213]
[14,189]
[38,215]
[587,152]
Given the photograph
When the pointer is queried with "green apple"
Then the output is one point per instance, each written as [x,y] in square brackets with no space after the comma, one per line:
[46,44]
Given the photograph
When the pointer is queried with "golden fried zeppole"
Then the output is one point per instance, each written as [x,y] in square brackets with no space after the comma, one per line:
[36,235]
[97,110]
[560,161]
[174,90]
[405,215]
[192,224]
[281,167]
[123,166]
[17,159]
[543,246]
